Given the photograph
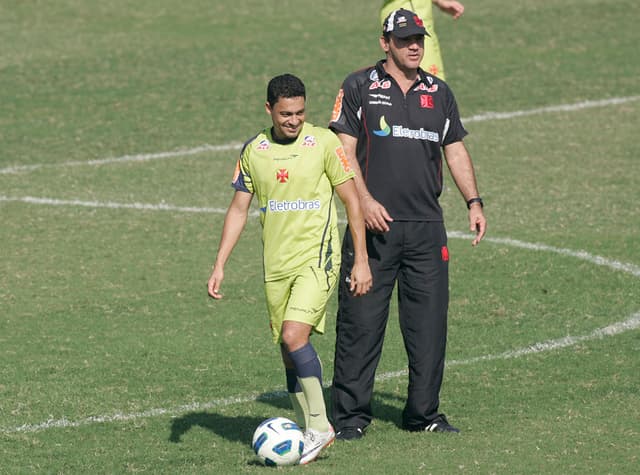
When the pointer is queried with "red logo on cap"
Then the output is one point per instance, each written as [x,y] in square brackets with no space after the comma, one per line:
[418,21]
[426,101]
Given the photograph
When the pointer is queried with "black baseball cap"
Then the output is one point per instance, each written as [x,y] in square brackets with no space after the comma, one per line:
[403,23]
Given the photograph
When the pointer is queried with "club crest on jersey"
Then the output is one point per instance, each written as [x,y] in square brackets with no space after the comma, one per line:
[263,145]
[309,141]
[282,175]
[426,101]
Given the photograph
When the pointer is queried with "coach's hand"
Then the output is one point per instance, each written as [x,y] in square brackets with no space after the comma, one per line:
[477,223]
[376,217]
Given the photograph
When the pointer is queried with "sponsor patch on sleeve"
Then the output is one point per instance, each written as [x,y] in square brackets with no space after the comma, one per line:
[337,106]
[343,159]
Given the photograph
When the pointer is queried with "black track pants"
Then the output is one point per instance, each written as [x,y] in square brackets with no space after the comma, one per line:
[413,255]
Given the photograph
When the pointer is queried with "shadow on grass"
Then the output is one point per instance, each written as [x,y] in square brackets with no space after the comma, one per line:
[238,428]
[386,406]
[234,428]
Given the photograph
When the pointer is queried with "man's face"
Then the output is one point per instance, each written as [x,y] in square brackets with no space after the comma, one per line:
[406,53]
[287,116]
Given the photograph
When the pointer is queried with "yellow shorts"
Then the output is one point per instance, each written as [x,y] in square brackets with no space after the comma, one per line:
[302,298]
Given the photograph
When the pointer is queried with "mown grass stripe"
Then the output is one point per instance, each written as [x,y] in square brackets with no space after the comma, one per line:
[486,116]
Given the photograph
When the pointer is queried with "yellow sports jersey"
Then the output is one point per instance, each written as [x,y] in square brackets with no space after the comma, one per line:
[432,61]
[294,186]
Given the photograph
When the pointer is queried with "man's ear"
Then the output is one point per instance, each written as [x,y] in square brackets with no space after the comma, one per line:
[384,44]
[267,107]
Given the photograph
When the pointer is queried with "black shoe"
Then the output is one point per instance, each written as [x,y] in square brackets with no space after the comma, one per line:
[350,433]
[439,424]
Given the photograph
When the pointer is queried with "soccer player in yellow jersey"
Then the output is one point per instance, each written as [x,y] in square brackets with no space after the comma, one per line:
[293,169]
[432,60]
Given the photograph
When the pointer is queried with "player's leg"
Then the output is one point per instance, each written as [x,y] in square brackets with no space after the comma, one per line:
[423,298]
[306,312]
[301,355]
[277,296]
[360,329]
[296,396]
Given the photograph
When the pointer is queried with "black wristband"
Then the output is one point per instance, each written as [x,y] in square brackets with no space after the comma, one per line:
[475,200]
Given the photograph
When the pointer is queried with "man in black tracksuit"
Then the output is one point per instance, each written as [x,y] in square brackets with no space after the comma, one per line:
[394,120]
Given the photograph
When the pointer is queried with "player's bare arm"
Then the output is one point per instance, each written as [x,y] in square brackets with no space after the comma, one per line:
[361,279]
[234,222]
[461,167]
[375,215]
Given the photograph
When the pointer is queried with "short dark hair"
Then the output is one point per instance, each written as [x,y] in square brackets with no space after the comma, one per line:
[285,85]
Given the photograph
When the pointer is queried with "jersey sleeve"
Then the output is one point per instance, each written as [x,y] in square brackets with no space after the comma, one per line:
[454,130]
[336,164]
[345,117]
[242,174]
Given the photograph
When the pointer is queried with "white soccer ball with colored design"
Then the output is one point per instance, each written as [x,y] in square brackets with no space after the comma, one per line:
[278,441]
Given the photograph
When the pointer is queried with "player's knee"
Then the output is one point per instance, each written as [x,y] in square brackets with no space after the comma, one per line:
[293,338]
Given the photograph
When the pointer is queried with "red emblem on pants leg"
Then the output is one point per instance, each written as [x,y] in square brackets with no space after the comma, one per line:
[445,253]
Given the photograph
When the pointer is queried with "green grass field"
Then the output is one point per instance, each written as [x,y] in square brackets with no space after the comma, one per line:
[119,130]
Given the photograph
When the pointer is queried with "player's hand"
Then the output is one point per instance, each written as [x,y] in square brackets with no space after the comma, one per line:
[477,223]
[452,7]
[360,279]
[376,217]
[213,285]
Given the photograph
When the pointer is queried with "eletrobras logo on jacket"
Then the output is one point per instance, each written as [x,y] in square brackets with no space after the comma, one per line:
[405,132]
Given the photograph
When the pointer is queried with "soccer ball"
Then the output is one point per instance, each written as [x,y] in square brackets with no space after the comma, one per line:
[278,441]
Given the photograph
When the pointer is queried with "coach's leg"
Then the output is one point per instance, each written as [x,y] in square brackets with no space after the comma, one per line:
[423,299]
[360,328]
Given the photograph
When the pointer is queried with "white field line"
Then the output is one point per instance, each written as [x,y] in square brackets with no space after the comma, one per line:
[631,323]
[584,255]
[236,146]
[141,157]
[544,110]
[113,205]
